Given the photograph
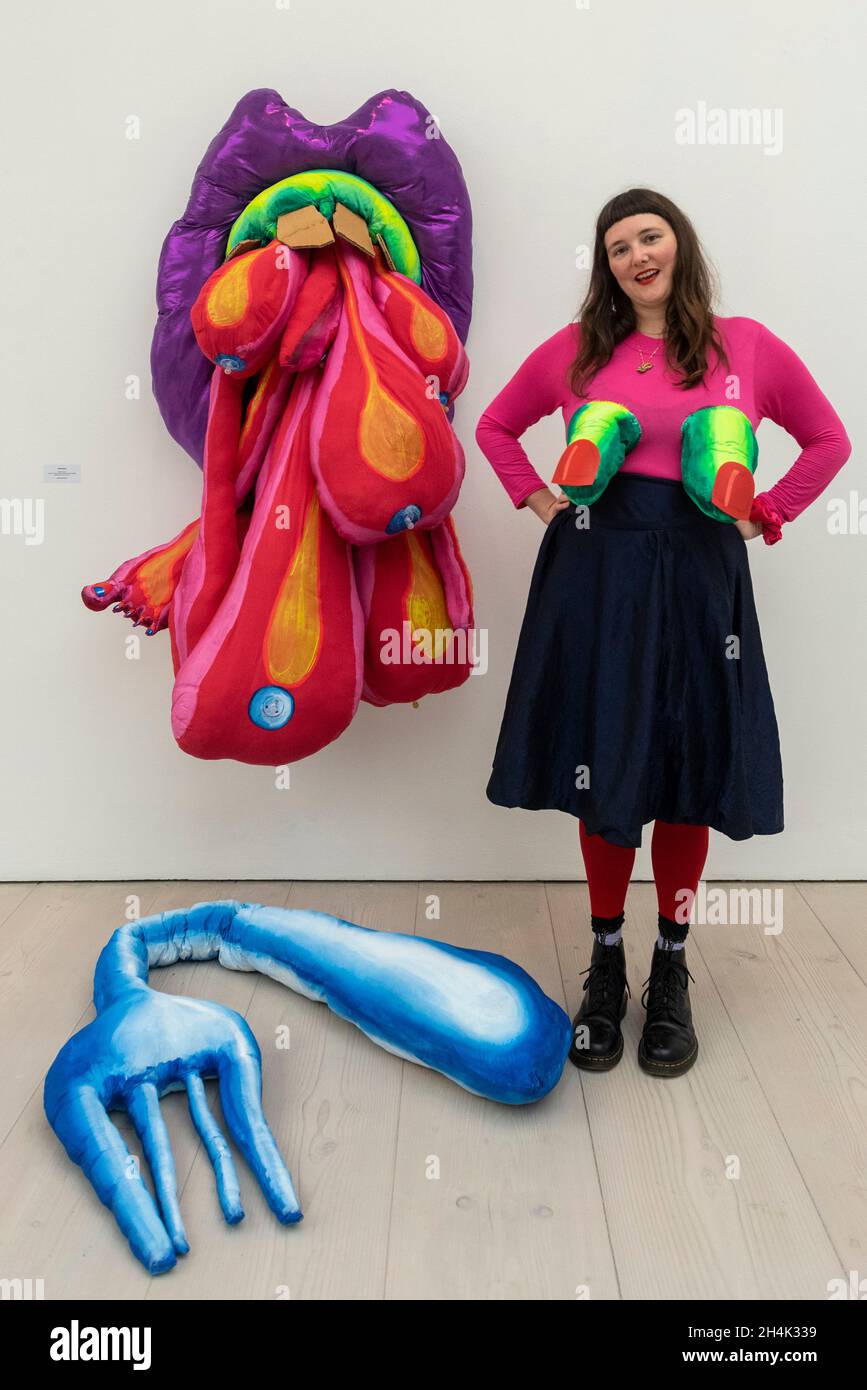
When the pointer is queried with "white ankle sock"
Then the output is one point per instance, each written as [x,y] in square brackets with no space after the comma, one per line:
[666,944]
[611,938]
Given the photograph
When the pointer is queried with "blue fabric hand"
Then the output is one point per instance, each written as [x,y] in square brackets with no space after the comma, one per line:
[141,1045]
[475,1016]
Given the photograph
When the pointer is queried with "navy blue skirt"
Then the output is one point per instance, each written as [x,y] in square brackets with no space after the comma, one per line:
[639,688]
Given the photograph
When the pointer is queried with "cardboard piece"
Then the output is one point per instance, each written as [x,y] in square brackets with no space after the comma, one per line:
[243,247]
[352,228]
[386,254]
[303,228]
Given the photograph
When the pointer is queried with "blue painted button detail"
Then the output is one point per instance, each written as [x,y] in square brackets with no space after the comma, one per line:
[271,707]
[230,363]
[404,520]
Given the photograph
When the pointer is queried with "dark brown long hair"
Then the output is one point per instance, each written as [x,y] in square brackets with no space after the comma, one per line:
[607,317]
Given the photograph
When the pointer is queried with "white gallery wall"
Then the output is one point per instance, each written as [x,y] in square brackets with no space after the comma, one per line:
[551,107]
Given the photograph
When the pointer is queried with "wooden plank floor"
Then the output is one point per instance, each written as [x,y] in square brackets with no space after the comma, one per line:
[745,1178]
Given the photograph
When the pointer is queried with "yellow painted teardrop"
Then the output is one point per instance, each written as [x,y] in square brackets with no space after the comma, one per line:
[294,634]
[156,576]
[230,297]
[427,333]
[390,439]
[425,598]
[255,402]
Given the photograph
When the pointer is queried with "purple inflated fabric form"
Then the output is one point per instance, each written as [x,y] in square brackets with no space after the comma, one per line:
[387,141]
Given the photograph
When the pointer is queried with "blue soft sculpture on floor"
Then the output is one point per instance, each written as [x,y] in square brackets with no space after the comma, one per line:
[474,1016]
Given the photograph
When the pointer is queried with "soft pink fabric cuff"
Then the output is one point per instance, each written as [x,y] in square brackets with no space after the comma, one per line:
[765,514]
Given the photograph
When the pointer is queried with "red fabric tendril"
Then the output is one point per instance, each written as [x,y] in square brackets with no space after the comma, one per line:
[765,514]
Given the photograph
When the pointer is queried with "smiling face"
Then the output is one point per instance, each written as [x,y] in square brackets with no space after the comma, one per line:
[642,246]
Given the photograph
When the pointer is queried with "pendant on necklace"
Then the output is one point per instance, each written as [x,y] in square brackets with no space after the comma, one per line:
[645,367]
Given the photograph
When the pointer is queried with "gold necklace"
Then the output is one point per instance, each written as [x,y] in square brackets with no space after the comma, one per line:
[646,363]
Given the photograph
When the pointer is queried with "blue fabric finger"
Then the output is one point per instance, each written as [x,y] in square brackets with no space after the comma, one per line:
[228,1187]
[91,1139]
[241,1098]
[144,1109]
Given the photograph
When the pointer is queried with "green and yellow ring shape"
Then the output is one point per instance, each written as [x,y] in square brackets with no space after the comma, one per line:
[322,189]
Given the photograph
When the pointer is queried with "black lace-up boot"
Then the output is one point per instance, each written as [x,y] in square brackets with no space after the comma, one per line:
[668,1044]
[597,1042]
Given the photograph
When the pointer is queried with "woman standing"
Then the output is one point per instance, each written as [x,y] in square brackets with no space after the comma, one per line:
[639,689]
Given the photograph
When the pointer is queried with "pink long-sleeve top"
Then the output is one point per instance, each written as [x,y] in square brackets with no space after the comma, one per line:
[771,383]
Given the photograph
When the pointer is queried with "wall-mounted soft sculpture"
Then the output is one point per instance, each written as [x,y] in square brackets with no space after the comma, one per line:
[313,307]
[475,1016]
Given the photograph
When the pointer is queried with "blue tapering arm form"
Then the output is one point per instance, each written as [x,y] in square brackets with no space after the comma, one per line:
[475,1016]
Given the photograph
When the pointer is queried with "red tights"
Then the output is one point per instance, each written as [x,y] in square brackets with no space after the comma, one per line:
[677,852]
